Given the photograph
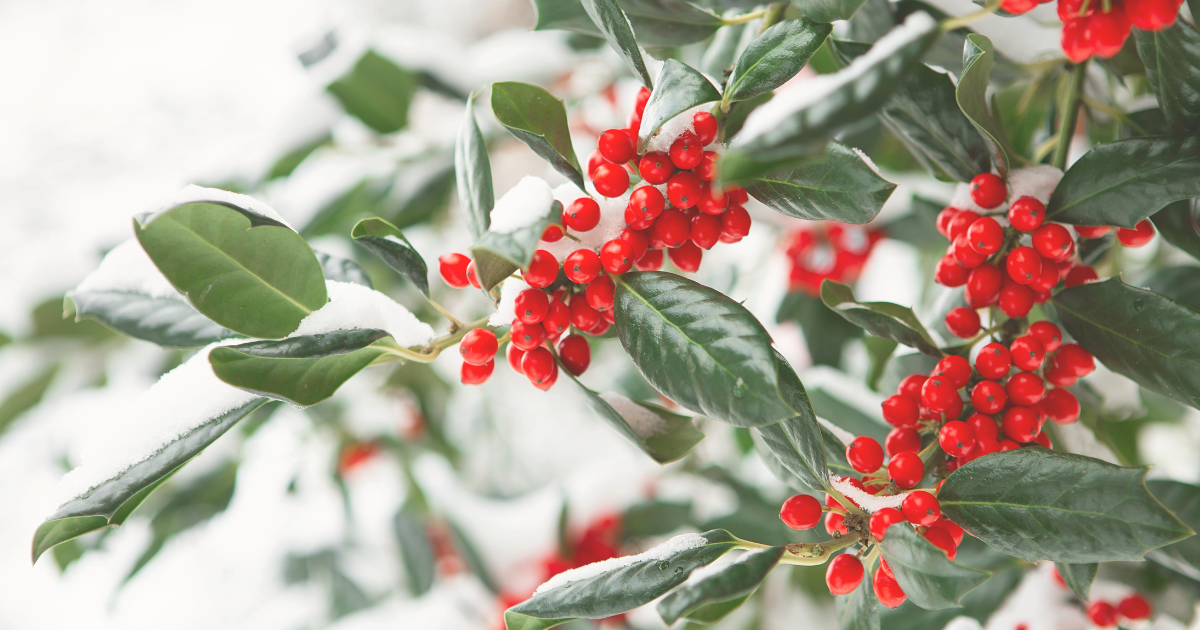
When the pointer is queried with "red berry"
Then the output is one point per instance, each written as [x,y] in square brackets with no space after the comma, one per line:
[1024,265]
[1009,445]
[944,218]
[901,412]
[1025,389]
[643,97]
[1080,274]
[713,200]
[1053,241]
[601,326]
[611,180]
[737,195]
[1109,31]
[983,286]
[476,374]
[985,236]
[844,575]
[952,528]
[993,361]
[705,230]
[882,520]
[1102,614]
[707,170]
[527,336]
[1016,300]
[955,368]
[705,125]
[1020,424]
[1027,353]
[961,223]
[686,257]
[1135,607]
[735,224]
[616,146]
[942,540]
[988,397]
[921,508]
[514,356]
[887,590]
[963,322]
[906,469]
[543,270]
[686,152]
[864,454]
[1047,334]
[683,189]
[1026,214]
[575,353]
[835,524]
[638,241]
[1017,7]
[531,306]
[938,393]
[950,273]
[582,215]
[453,268]
[988,190]
[539,366]
[478,346]
[616,256]
[984,427]
[965,254]
[911,386]
[956,438]
[647,201]
[1091,231]
[656,168]
[670,230]
[1057,376]
[1060,406]
[557,320]
[1141,234]
[801,512]
[553,233]
[1076,39]
[600,293]
[471,277]
[583,316]
[1047,280]
[901,440]
[652,260]
[582,266]
[1077,361]
[595,160]
[951,413]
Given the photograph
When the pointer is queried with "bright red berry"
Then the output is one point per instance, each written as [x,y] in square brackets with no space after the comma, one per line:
[901,440]
[901,411]
[1076,38]
[965,254]
[941,539]
[705,230]
[911,386]
[707,170]
[1048,279]
[921,508]
[471,277]
[984,427]
[647,201]
[1024,265]
[531,306]
[735,224]
[1060,406]
[1027,353]
[1141,234]
[844,575]
[1091,231]
[956,438]
[955,368]
[1026,214]
[1080,274]
[1077,361]
[543,270]
[600,293]
[983,286]
[1016,300]
[582,266]
[887,590]
[575,353]
[583,316]
[944,218]
[476,374]
[683,189]
[906,469]
[1135,607]
[961,223]
[950,273]
[986,236]
[1047,334]
[611,180]
[557,319]
[582,215]
[478,346]
[686,152]
[643,97]
[864,454]
[993,361]
[1025,389]
[1053,241]
[963,322]
[656,168]
[1017,7]
[453,268]
[638,241]
[1020,424]
[801,511]
[652,260]
[882,520]
[539,366]
[686,257]
[988,190]
[514,356]
[594,160]
[616,146]
[705,125]
[616,256]
[713,200]
[553,233]
[988,397]
[835,524]
[527,336]
[938,393]
[670,230]
[1102,614]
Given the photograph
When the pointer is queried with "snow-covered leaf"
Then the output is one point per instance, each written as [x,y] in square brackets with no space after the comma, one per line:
[680,88]
[712,597]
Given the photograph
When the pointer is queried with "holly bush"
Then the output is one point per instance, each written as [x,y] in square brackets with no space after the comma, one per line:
[974,451]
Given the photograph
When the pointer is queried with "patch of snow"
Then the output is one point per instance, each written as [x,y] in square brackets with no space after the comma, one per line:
[676,127]
[127,268]
[1035,181]
[645,423]
[666,550]
[865,500]
[864,158]
[845,436]
[195,194]
[506,310]
[523,205]
[355,307]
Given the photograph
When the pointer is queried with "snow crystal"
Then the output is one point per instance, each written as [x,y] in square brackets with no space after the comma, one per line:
[523,205]
[506,310]
[671,547]
[866,159]
[675,127]
[128,268]
[803,94]
[612,222]
[194,194]
[865,500]
[183,399]
[845,436]
[355,307]
[1035,181]
[645,423]
[962,200]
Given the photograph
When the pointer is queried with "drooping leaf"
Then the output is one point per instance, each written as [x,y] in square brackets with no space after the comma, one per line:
[882,319]
[168,322]
[1150,338]
[415,550]
[825,332]
[1123,182]
[377,92]
[343,270]
[1172,60]
[1183,499]
[1037,504]
[734,582]
[799,444]
[259,281]
[617,590]
[655,22]
[473,172]
[497,255]
[774,57]
[971,94]
[699,348]
[301,370]
[1179,225]
[388,243]
[828,10]
[610,19]
[927,576]
[860,609]
[680,88]
[1078,577]
[539,120]
[837,186]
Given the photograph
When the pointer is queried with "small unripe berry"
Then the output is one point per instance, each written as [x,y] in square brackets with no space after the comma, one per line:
[844,575]
[801,511]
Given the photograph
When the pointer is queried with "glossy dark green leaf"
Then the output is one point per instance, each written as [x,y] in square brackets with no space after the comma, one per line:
[838,186]
[539,120]
[1179,225]
[610,19]
[1180,283]
[377,92]
[110,503]
[825,332]
[795,124]
[680,88]
[927,576]
[617,590]
[735,581]
[828,10]
[1152,339]
[473,172]
[700,349]
[415,550]
[860,609]
[873,20]
[1184,500]
[799,444]
[971,94]
[1172,59]
[388,243]
[168,322]
[343,270]
[1078,577]
[774,57]
[655,22]
[257,281]
[882,319]
[1123,182]
[300,370]
[497,255]
[1038,504]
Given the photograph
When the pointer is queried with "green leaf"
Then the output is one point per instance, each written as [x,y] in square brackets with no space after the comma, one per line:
[971,94]
[722,51]
[1184,500]
[700,348]
[655,22]
[735,581]
[860,609]
[882,319]
[1152,339]
[680,88]
[774,57]
[847,416]
[617,590]
[1037,504]
[651,518]
[825,333]
[1172,59]
[927,576]
[539,120]
[364,199]
[388,243]
[828,10]
[25,395]
[610,19]
[498,255]
[1078,577]
[798,443]
[290,160]
[259,281]
[377,92]
[415,550]
[1123,182]
[342,269]
[300,370]
[838,186]
[168,322]
[110,503]
[1179,225]
[1180,283]
[471,556]
[795,125]
[473,171]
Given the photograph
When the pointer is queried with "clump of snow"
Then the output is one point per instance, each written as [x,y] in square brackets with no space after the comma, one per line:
[612,222]
[653,66]
[506,310]
[674,128]
[963,201]
[665,551]
[867,160]
[195,194]
[845,436]
[355,307]
[183,399]
[645,423]
[523,205]
[127,268]
[1037,181]
[865,500]
[804,94]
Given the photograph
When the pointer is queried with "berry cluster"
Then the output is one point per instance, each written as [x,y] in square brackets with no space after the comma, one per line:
[1132,608]
[836,251]
[1098,28]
